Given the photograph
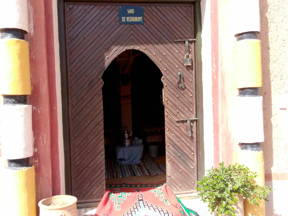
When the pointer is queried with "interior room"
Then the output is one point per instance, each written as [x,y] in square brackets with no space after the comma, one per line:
[134,124]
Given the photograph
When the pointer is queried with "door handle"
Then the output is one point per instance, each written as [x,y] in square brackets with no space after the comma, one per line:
[181,82]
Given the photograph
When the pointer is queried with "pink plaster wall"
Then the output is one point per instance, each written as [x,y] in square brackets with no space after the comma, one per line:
[275,61]
[43,98]
[274,33]
[275,91]
[226,81]
[216,89]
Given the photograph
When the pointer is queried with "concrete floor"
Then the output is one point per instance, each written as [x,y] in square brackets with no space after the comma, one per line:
[86,211]
[193,202]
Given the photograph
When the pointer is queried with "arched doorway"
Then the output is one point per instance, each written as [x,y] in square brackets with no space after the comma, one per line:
[94,39]
[134,125]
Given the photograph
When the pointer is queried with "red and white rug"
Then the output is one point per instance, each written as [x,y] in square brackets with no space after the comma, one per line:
[159,201]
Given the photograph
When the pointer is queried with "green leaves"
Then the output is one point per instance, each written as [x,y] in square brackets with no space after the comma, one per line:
[222,187]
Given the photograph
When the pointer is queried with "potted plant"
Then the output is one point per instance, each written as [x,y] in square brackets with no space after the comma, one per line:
[223,187]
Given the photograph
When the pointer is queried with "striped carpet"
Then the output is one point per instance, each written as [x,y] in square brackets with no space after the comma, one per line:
[148,167]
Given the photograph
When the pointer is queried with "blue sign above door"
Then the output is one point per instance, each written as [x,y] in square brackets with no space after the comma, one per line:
[131,15]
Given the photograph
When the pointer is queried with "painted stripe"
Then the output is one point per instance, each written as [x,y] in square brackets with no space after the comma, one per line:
[15,67]
[18,191]
[16,129]
[247,35]
[15,99]
[249,92]
[248,63]
[246,16]
[248,126]
[12,33]
[24,162]
[14,14]
[253,159]
[276,176]
[216,79]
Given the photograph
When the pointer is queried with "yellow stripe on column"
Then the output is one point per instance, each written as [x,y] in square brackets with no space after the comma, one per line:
[18,191]
[254,159]
[248,63]
[14,67]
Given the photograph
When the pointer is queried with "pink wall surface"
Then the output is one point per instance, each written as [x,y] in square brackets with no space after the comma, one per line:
[274,42]
[275,91]
[226,81]
[43,98]
[274,33]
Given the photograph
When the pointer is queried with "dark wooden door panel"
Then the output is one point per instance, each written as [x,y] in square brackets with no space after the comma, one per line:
[94,38]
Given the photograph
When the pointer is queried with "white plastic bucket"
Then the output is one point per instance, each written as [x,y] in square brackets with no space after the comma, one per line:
[153,150]
[59,205]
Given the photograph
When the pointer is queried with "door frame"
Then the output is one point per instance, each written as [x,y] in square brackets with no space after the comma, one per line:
[64,81]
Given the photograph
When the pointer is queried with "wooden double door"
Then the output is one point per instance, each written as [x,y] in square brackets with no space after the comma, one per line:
[94,38]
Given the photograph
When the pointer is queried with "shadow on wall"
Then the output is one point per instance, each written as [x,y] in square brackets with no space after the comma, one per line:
[267,101]
[203,8]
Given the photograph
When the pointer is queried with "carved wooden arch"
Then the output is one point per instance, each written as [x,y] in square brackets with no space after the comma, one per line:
[115,52]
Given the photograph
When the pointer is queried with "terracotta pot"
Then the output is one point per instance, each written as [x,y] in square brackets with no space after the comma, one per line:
[59,205]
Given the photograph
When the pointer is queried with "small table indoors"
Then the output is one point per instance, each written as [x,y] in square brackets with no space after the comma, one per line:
[127,155]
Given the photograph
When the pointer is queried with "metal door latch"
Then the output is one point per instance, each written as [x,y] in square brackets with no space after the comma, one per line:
[187,61]
[189,122]
[181,82]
